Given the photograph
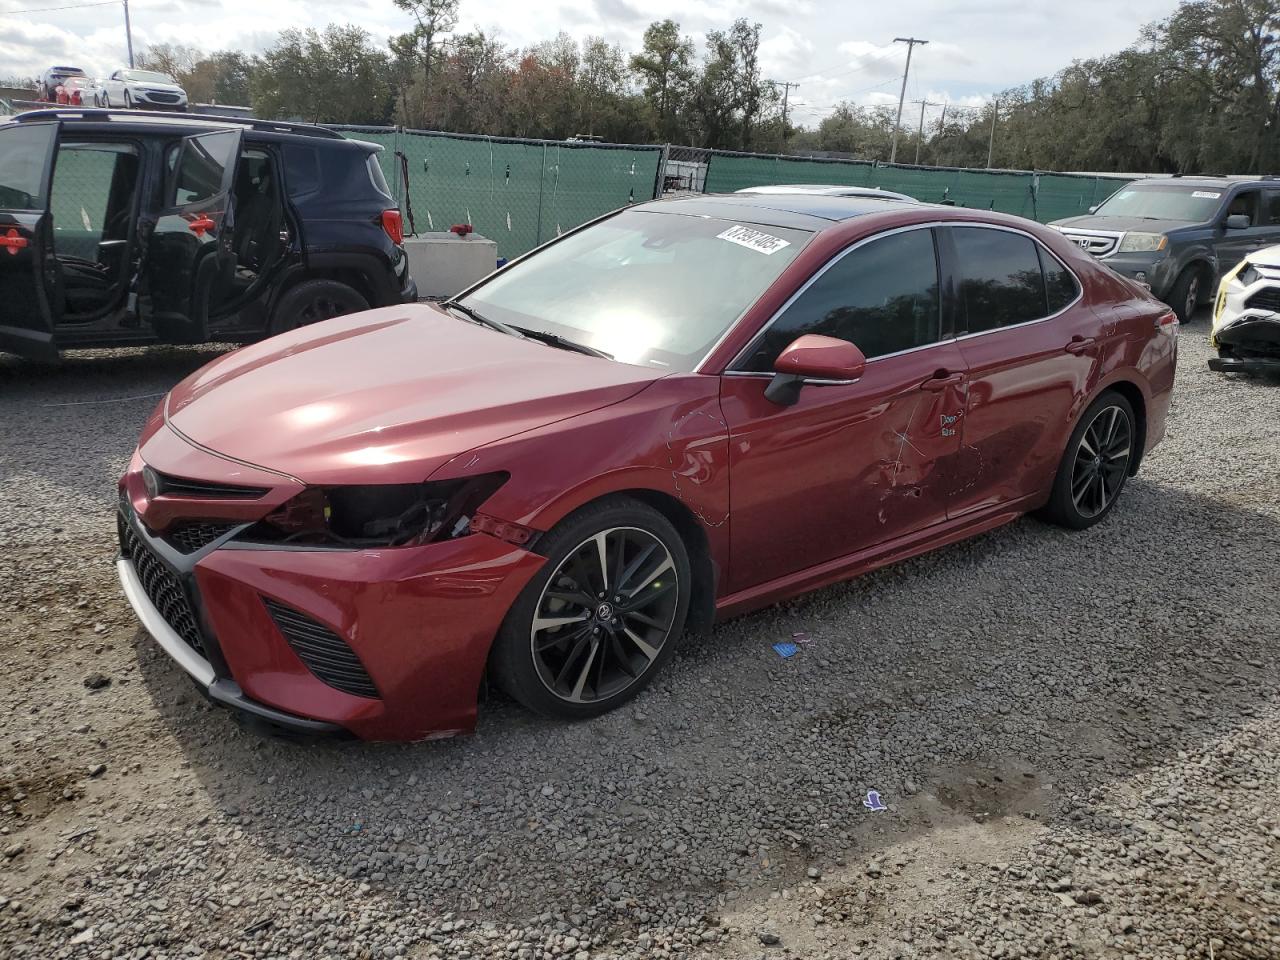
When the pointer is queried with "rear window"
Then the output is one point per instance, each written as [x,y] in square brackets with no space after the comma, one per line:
[375,174]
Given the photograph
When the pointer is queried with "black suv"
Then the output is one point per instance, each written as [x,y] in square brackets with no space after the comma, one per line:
[132,228]
[1180,235]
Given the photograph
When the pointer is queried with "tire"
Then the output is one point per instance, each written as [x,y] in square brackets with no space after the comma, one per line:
[1095,465]
[312,301]
[574,672]
[128,100]
[1184,296]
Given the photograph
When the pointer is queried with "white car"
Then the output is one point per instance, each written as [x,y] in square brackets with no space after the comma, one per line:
[830,190]
[1246,316]
[145,89]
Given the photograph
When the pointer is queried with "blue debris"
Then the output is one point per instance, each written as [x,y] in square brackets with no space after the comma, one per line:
[873,801]
[786,650]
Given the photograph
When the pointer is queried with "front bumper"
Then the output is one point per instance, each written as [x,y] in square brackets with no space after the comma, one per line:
[418,622]
[1152,270]
[158,101]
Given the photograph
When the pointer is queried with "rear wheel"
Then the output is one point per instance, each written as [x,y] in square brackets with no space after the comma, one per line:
[1185,295]
[1096,463]
[312,301]
[602,617]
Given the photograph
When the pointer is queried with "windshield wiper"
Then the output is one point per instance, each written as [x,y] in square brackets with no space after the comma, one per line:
[555,340]
[484,321]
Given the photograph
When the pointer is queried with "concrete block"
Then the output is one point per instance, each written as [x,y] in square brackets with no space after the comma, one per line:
[445,264]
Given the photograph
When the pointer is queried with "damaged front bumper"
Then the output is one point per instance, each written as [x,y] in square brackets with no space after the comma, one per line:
[1248,344]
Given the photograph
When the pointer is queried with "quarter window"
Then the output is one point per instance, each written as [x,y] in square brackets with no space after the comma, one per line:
[1000,280]
[882,296]
[1059,282]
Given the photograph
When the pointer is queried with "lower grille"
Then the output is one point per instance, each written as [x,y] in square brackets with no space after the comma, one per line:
[163,588]
[190,537]
[323,651]
[1268,299]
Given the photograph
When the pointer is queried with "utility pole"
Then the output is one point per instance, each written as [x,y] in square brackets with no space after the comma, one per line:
[786,86]
[924,104]
[991,143]
[911,45]
[128,32]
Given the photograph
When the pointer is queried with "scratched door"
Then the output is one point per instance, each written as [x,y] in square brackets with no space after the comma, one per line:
[847,467]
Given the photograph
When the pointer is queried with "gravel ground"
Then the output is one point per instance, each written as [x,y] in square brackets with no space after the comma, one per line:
[1075,736]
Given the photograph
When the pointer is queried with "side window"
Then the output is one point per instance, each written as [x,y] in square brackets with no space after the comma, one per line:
[1271,208]
[882,296]
[92,196]
[1000,281]
[1246,202]
[301,169]
[24,160]
[201,167]
[1059,282]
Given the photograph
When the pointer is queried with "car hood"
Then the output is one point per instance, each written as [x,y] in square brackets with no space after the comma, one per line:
[157,87]
[1266,257]
[1120,224]
[387,396]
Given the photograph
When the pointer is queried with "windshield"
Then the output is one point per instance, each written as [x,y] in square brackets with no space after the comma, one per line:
[1164,202]
[649,288]
[147,76]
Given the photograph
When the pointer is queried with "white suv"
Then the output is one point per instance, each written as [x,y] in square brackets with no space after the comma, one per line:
[1246,317]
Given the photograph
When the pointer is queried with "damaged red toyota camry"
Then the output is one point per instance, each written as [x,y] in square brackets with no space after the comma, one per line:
[680,412]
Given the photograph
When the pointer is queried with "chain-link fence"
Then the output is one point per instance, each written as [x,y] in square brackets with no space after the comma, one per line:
[518,193]
[1037,196]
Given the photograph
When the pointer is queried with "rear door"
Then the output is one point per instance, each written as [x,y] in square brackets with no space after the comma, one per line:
[190,256]
[30,290]
[1031,345]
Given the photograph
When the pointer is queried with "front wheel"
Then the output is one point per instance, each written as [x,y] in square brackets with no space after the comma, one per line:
[1184,297]
[1095,465]
[602,617]
[128,100]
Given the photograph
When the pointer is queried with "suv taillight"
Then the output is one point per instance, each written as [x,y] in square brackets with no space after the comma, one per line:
[393,223]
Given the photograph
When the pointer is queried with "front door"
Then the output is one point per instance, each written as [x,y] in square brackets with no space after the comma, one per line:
[1234,244]
[30,287]
[191,256]
[850,465]
[1031,346]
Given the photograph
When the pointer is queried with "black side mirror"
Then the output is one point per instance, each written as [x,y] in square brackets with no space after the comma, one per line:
[1239,221]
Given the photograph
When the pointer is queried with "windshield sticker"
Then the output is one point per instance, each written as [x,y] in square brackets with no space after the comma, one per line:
[754,240]
[1206,195]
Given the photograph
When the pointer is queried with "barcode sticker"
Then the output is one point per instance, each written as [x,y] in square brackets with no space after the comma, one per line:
[754,240]
[1206,195]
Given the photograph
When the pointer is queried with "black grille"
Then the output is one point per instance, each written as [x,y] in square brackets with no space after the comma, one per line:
[181,487]
[190,537]
[323,651]
[1268,299]
[163,588]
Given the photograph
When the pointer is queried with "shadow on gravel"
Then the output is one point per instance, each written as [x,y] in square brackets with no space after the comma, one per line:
[997,677]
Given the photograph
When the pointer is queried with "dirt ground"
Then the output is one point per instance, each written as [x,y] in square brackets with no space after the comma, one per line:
[1074,737]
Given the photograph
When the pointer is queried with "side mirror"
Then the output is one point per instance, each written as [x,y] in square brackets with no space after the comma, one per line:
[813,357]
[1239,221]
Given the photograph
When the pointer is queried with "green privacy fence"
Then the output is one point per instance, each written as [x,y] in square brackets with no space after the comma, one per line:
[1038,196]
[518,193]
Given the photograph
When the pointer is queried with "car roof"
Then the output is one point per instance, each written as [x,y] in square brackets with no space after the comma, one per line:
[804,211]
[1203,181]
[144,121]
[828,189]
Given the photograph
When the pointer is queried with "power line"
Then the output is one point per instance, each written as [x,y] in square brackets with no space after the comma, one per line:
[74,6]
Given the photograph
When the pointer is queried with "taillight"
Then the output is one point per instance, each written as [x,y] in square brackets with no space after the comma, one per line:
[393,224]
[1167,322]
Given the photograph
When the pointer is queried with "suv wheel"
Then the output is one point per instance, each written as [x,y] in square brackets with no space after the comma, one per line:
[312,301]
[1185,295]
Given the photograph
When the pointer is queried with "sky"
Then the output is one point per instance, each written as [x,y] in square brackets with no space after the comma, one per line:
[835,49]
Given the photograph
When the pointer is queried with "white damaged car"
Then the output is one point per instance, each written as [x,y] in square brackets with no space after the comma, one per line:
[1246,316]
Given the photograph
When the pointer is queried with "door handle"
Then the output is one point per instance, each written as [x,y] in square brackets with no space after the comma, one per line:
[201,225]
[941,380]
[1079,345]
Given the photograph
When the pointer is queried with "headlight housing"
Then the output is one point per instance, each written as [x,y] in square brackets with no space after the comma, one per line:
[1135,242]
[376,515]
[1249,275]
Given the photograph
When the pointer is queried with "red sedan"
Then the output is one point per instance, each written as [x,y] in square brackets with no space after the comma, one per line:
[683,411]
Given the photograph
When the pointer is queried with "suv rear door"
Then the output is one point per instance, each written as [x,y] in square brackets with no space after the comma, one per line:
[190,255]
[30,289]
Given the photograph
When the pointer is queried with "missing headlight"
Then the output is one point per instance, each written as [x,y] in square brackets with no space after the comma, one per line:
[377,515]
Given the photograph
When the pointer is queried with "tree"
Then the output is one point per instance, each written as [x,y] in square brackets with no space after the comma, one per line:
[334,76]
[665,69]
[416,48]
